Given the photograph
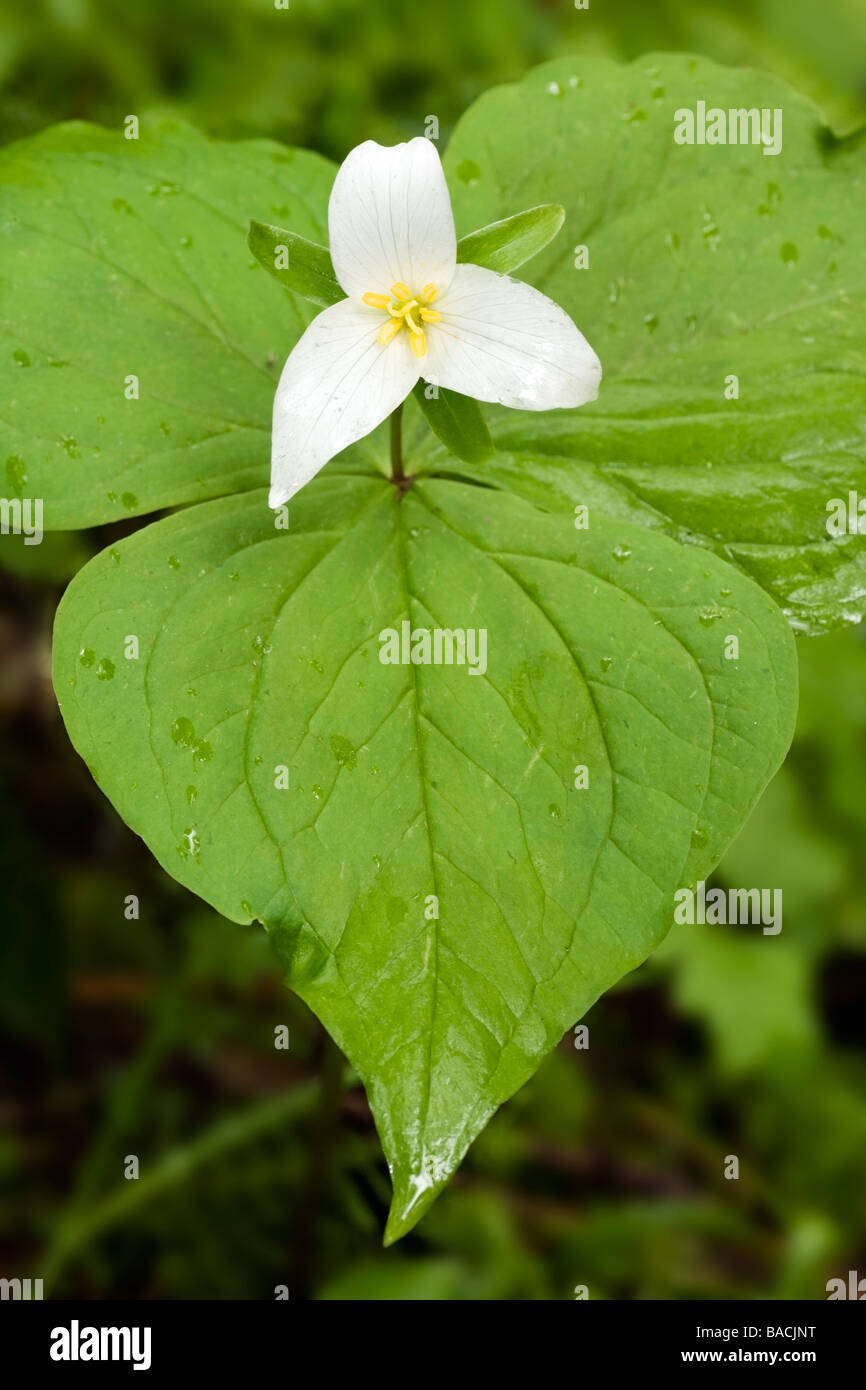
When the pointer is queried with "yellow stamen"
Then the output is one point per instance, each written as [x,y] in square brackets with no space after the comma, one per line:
[389,330]
[400,306]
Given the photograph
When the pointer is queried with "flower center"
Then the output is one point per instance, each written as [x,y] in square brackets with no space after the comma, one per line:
[405,308]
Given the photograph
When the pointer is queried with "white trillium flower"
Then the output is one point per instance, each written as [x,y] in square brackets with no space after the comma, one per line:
[412,312]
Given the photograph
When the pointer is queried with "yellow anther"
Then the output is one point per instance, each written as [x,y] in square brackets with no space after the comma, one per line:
[389,330]
[400,306]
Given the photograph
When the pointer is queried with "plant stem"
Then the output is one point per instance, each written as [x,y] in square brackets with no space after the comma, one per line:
[178,1165]
[397,474]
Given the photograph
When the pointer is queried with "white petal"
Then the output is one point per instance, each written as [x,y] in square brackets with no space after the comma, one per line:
[503,341]
[338,384]
[390,219]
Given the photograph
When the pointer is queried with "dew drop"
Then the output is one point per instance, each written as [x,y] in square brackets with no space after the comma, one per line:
[87,656]
[774,198]
[652,322]
[183,732]
[789,253]
[184,736]
[189,845]
[105,670]
[468,172]
[173,562]
[344,752]
[554,811]
[129,501]
[21,358]
[699,838]
[621,553]
[710,231]
[191,795]
[16,475]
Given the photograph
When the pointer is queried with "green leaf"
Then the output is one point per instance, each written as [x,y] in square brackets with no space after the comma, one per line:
[457,421]
[128,258]
[507,244]
[439,890]
[704,262]
[309,273]
[502,246]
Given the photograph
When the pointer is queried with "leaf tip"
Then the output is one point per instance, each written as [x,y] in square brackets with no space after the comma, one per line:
[408,1205]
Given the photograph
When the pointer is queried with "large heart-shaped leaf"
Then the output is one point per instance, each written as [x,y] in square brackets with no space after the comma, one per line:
[705,262]
[443,889]
[127,259]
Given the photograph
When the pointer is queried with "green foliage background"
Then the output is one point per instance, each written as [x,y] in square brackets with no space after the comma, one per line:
[155,1037]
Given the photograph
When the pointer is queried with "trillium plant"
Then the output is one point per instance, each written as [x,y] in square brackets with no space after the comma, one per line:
[509,658]
[412,313]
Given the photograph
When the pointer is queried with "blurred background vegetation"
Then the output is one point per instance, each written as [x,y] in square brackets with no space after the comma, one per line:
[156,1037]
